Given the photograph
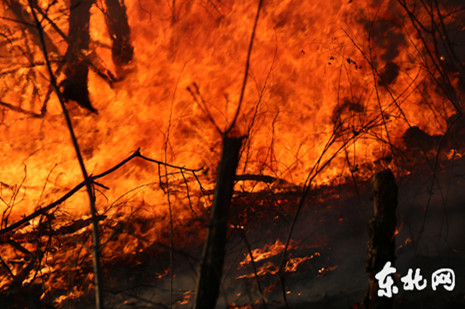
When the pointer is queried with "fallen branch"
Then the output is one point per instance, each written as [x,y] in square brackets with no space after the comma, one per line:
[44,210]
[252,177]
[64,230]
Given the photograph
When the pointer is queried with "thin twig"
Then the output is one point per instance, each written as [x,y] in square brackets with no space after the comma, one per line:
[87,179]
[316,169]
[70,193]
[254,266]
[246,73]
[201,103]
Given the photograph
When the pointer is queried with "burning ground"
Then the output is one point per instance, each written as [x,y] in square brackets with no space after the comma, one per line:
[334,91]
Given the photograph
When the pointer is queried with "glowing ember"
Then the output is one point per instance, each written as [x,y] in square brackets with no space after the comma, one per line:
[324,270]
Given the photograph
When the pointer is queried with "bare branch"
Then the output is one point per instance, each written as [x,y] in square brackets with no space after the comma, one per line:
[246,73]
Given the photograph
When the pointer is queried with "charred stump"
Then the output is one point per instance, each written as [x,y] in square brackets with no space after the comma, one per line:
[74,87]
[118,28]
[211,266]
[382,232]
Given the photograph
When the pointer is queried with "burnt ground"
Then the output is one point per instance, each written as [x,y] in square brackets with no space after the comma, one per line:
[331,233]
[332,228]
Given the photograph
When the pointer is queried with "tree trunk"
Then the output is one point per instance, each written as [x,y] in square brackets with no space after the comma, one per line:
[211,266]
[381,230]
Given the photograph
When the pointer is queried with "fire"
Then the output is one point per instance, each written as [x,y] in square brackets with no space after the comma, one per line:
[268,267]
[74,294]
[310,81]
[324,270]
[329,95]
[292,264]
[265,253]
[187,296]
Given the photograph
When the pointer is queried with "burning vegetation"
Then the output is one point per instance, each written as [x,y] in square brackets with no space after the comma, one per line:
[178,154]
